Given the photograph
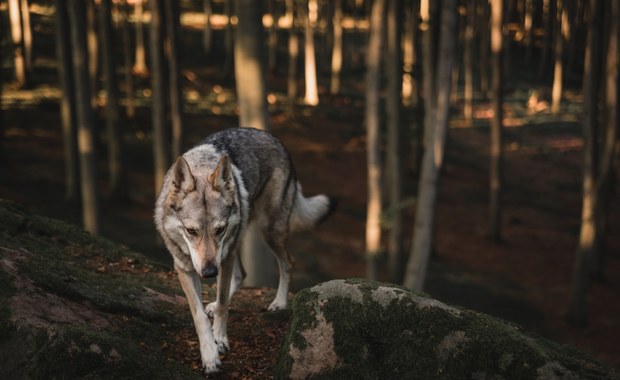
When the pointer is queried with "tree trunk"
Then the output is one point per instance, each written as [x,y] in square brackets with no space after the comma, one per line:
[93,49]
[84,113]
[468,95]
[588,232]
[228,41]
[27,34]
[334,86]
[129,86]
[428,63]
[484,48]
[21,72]
[311,97]
[252,94]
[161,151]
[112,111]
[394,152]
[433,154]
[604,188]
[373,80]
[528,29]
[272,36]
[171,52]
[293,54]
[496,173]
[548,21]
[139,67]
[67,102]
[556,94]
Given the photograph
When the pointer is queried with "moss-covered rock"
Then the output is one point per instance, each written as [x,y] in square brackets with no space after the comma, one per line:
[77,306]
[357,329]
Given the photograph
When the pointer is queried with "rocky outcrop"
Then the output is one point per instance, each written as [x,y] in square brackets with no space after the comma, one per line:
[357,329]
[77,306]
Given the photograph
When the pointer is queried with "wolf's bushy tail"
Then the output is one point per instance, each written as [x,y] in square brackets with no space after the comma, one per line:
[308,212]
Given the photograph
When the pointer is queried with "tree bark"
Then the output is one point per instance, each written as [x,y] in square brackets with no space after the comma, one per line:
[293,54]
[373,78]
[21,72]
[334,86]
[556,93]
[161,151]
[129,84]
[496,173]
[67,102]
[311,97]
[207,31]
[112,111]
[252,94]
[433,155]
[587,234]
[171,52]
[394,102]
[85,117]
[27,34]
[468,93]
[139,67]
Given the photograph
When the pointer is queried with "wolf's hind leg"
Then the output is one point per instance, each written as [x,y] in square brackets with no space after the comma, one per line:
[285,265]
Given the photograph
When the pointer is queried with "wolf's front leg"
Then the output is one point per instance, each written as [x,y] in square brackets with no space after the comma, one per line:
[220,310]
[190,282]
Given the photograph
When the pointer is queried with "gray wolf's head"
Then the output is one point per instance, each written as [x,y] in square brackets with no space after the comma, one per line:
[208,212]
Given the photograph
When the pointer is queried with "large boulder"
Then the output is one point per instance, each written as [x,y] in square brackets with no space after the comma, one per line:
[77,306]
[357,329]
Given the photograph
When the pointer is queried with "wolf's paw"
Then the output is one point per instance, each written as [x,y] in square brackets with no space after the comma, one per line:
[222,344]
[210,309]
[210,357]
[277,305]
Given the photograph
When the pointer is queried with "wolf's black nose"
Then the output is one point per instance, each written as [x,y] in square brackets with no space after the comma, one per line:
[210,271]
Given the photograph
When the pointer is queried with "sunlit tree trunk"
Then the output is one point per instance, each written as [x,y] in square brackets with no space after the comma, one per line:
[468,94]
[373,123]
[27,34]
[161,150]
[171,52]
[588,232]
[556,93]
[311,96]
[252,94]
[207,32]
[417,266]
[496,173]
[334,86]
[428,70]
[410,55]
[394,136]
[139,67]
[112,111]
[17,35]
[84,113]
[67,101]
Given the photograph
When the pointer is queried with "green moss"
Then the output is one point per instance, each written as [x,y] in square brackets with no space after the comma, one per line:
[408,335]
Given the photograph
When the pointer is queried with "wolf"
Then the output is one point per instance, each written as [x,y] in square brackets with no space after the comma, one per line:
[209,197]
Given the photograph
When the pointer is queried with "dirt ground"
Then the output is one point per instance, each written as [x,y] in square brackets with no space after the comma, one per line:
[525,279]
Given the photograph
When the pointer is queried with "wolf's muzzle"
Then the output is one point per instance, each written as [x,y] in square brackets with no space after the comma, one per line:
[209,271]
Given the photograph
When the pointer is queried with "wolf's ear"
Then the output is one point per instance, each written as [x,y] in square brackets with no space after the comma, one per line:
[221,179]
[183,179]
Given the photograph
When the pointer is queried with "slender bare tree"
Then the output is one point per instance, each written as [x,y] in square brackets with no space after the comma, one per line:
[334,86]
[432,161]
[67,102]
[252,94]
[588,232]
[561,18]
[17,35]
[139,67]
[394,72]
[496,173]
[84,113]
[311,96]
[373,123]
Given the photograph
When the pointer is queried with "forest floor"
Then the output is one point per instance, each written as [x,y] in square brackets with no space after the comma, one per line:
[525,279]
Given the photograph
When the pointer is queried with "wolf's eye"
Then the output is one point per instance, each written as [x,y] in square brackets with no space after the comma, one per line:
[220,229]
[191,231]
